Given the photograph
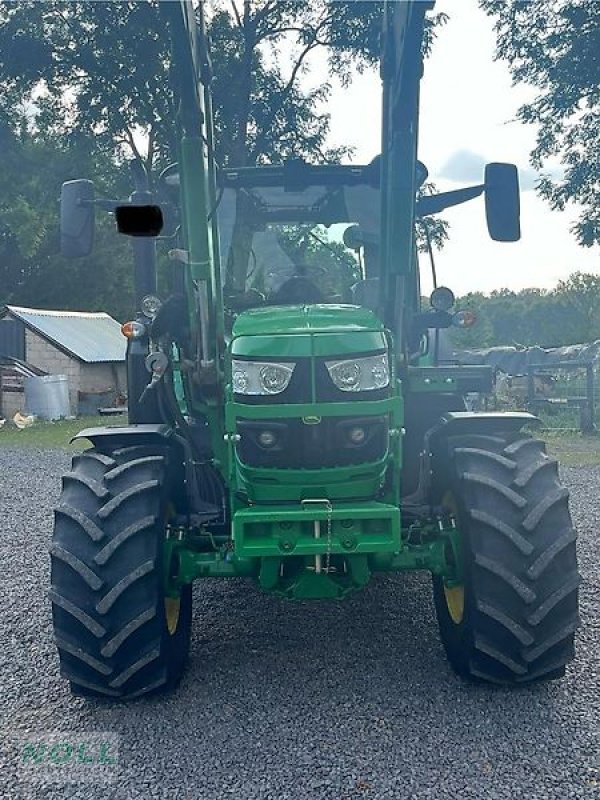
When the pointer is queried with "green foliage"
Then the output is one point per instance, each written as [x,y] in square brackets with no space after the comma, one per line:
[32,273]
[102,69]
[554,45]
[569,314]
[579,301]
[98,69]
[329,264]
[430,230]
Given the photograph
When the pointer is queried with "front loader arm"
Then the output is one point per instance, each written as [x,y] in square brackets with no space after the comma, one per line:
[402,67]
[191,72]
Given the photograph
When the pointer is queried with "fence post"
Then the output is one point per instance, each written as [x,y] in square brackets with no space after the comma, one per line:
[530,389]
[588,408]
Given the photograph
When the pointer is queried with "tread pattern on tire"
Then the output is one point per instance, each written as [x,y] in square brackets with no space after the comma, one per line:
[106,576]
[522,578]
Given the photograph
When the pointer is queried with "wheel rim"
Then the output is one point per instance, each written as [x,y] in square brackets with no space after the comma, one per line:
[172,609]
[172,603]
[454,594]
[455,602]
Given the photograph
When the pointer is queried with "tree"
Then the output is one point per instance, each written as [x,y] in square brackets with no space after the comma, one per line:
[31,270]
[554,45]
[73,71]
[329,264]
[102,68]
[262,112]
[568,314]
[92,69]
[579,294]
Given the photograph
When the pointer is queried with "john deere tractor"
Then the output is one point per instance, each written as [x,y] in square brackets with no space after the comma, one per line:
[296,430]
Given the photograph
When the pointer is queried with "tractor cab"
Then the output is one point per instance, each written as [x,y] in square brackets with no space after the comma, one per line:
[300,234]
[281,232]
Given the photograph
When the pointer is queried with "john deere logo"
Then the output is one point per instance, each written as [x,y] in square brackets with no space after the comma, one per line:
[311,420]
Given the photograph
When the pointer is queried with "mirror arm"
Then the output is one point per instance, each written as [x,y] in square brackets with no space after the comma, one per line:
[433,204]
[105,205]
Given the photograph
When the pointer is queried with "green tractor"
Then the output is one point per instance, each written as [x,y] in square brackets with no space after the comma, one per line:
[302,434]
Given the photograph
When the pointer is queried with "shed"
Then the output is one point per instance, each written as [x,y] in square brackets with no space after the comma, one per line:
[87,347]
[13,373]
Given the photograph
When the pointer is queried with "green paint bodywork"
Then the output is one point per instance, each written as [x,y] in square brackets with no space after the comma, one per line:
[294,573]
[305,533]
[344,528]
[311,331]
[291,320]
[319,533]
[297,331]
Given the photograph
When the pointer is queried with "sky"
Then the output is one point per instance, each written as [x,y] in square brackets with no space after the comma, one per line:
[468,106]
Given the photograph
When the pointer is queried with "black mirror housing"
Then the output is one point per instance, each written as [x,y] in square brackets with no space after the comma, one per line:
[502,203]
[135,220]
[76,218]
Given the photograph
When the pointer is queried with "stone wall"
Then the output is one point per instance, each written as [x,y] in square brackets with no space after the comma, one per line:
[100,386]
[100,377]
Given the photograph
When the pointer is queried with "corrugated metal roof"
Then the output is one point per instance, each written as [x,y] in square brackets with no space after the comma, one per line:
[90,337]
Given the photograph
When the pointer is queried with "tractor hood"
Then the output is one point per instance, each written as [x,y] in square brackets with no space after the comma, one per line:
[307,330]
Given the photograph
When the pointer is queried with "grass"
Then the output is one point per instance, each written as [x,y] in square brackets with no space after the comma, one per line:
[54,435]
[572,449]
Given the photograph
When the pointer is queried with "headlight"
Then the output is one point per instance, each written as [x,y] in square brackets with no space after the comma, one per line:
[360,374]
[260,377]
[151,305]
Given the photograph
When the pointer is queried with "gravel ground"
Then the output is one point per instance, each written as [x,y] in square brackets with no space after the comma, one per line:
[284,700]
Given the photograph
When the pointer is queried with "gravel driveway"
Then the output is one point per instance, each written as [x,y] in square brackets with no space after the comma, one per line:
[294,700]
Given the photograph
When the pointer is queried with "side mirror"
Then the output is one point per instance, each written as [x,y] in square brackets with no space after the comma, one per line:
[135,220]
[76,218]
[502,205]
[355,237]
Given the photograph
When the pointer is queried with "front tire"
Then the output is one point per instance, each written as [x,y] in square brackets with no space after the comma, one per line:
[512,618]
[116,632]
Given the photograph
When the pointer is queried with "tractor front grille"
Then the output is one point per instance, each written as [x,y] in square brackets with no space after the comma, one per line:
[299,444]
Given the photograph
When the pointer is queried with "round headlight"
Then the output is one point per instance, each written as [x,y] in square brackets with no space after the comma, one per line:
[357,435]
[346,375]
[151,304]
[380,375]
[360,374]
[267,439]
[274,378]
[240,381]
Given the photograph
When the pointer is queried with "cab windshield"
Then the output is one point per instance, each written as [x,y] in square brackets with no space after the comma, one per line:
[295,245]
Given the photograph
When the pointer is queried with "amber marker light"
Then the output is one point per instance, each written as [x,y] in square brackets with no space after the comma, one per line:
[465,319]
[133,330]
